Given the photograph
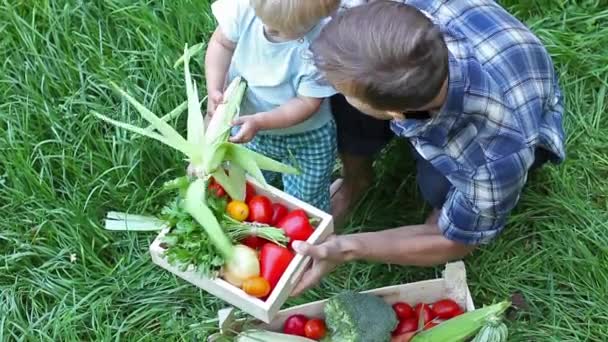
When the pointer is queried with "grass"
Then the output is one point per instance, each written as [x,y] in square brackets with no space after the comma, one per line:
[63,278]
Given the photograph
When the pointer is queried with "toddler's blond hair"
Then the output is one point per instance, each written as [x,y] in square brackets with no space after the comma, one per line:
[293,16]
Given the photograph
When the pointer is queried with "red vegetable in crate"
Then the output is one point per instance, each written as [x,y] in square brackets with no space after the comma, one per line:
[273,262]
[294,325]
[260,210]
[446,309]
[405,326]
[315,328]
[403,310]
[279,211]
[296,226]
[424,311]
[217,190]
[249,192]
[254,242]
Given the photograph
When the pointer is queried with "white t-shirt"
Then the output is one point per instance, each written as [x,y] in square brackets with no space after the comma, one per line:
[275,72]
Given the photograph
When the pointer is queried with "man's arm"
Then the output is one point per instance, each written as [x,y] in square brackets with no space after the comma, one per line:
[420,245]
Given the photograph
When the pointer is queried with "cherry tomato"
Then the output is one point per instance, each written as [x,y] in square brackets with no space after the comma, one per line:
[249,192]
[217,190]
[294,325]
[296,226]
[315,329]
[403,310]
[424,311]
[278,212]
[256,286]
[405,326]
[237,210]
[274,260]
[254,242]
[260,210]
[446,308]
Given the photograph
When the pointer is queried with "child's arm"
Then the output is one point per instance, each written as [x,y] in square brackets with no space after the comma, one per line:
[217,62]
[291,113]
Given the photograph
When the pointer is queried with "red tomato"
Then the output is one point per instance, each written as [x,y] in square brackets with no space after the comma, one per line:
[217,190]
[405,326]
[278,212]
[424,311]
[260,210]
[254,242]
[446,308]
[403,310]
[315,329]
[274,260]
[296,226]
[249,192]
[294,325]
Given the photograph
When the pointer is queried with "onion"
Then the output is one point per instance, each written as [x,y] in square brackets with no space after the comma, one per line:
[243,265]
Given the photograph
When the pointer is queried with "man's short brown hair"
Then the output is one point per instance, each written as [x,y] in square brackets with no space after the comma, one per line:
[389,55]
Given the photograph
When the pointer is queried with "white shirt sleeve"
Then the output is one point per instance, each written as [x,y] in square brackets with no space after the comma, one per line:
[230,15]
[311,81]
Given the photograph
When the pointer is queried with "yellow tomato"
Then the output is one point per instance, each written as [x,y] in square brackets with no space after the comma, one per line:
[257,287]
[237,210]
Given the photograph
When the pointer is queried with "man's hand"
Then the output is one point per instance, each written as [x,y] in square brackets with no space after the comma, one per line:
[214,99]
[326,257]
[249,128]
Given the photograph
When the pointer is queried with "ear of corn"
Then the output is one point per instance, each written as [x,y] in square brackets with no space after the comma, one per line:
[207,149]
[462,327]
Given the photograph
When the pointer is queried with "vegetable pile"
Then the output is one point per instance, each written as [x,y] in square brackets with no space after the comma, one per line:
[360,317]
[261,254]
[217,224]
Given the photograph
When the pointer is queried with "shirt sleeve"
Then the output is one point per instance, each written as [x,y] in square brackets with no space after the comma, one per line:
[476,210]
[311,82]
[231,15]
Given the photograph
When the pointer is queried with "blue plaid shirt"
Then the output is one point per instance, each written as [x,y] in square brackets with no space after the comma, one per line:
[503,103]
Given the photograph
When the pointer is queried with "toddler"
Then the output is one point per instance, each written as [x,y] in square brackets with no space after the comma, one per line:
[285,113]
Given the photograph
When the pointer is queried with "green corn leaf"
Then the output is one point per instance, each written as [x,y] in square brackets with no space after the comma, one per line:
[260,160]
[196,129]
[195,206]
[233,185]
[196,48]
[142,131]
[164,128]
[237,155]
[175,113]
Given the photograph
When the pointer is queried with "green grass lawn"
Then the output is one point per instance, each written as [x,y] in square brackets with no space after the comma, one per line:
[63,278]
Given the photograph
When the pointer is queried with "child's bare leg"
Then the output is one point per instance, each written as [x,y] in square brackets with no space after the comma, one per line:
[358,174]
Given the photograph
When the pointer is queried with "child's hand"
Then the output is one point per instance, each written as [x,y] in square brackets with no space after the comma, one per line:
[214,98]
[249,128]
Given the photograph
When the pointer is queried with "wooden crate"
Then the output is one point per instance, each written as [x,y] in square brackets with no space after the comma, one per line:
[453,285]
[262,310]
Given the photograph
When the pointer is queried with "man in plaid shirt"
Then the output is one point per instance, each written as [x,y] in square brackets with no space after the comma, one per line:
[476,94]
